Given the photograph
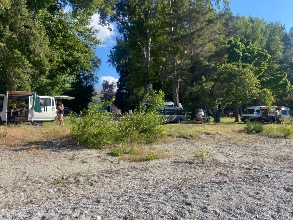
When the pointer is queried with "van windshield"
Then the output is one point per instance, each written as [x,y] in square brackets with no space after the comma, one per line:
[248,111]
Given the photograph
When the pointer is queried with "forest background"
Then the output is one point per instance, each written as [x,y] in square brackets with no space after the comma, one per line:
[196,52]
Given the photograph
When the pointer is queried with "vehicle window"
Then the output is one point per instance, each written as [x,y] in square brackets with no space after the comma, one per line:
[284,112]
[170,112]
[248,111]
[45,101]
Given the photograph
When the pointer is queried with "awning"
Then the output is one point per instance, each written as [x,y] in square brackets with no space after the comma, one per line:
[65,97]
[19,93]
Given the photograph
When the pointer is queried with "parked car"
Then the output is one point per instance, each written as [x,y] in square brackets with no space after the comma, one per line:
[253,113]
[230,114]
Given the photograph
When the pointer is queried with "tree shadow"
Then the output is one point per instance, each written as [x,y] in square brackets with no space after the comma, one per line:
[183,162]
[67,144]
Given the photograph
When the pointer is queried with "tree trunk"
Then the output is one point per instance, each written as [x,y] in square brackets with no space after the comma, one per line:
[176,90]
[147,54]
[148,87]
[237,117]
[217,114]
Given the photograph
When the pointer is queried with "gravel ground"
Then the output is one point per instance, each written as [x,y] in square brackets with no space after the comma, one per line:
[244,177]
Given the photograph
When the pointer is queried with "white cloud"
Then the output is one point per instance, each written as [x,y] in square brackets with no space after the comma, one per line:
[110,79]
[106,33]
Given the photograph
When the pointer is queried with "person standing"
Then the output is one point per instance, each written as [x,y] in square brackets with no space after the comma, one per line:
[60,108]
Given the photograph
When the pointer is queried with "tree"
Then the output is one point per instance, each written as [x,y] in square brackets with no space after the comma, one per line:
[155,34]
[24,52]
[47,49]
[193,33]
[83,93]
[235,85]
[271,37]
[109,90]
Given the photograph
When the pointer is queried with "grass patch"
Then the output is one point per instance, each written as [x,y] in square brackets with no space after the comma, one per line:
[140,154]
[279,130]
[192,131]
[24,133]
[202,154]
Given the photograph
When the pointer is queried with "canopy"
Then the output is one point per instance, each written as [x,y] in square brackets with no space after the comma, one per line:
[19,93]
[65,97]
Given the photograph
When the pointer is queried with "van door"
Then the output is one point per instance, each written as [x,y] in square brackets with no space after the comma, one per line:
[48,109]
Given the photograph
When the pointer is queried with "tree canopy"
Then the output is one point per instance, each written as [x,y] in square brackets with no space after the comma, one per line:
[196,52]
[199,54]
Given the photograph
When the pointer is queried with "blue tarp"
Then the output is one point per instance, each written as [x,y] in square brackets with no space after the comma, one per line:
[36,103]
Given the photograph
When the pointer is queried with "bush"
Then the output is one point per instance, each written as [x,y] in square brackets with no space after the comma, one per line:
[96,129]
[142,126]
[284,130]
[254,127]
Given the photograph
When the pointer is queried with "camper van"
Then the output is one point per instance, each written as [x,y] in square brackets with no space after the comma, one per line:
[19,106]
[283,112]
[173,114]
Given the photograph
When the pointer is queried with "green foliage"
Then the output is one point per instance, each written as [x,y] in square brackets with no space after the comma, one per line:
[235,83]
[48,49]
[254,127]
[150,155]
[202,154]
[137,153]
[280,130]
[266,97]
[24,46]
[96,129]
[116,152]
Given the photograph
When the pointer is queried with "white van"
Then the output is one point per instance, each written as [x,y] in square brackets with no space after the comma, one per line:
[20,106]
[254,113]
[276,114]
[283,112]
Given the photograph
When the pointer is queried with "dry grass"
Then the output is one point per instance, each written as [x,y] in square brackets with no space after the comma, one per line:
[138,153]
[24,134]
[194,131]
[51,132]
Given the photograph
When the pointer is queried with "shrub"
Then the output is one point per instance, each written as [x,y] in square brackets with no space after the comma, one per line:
[283,130]
[254,127]
[96,129]
[117,152]
[141,127]
[150,155]
[202,154]
[286,130]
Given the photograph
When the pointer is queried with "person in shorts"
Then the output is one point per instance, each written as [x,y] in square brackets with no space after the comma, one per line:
[60,108]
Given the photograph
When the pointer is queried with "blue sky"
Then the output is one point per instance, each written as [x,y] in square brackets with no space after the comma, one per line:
[270,10]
